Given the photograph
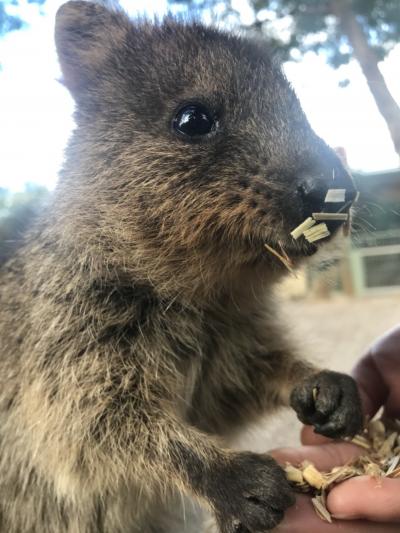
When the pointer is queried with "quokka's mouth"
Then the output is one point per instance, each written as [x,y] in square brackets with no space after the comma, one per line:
[316,229]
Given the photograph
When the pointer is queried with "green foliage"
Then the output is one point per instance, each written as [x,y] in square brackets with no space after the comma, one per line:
[16,212]
[8,22]
[311,26]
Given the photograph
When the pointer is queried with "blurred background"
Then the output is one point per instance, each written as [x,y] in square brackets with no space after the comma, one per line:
[343,59]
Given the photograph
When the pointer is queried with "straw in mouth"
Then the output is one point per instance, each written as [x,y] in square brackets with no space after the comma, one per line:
[283,256]
[311,229]
[314,228]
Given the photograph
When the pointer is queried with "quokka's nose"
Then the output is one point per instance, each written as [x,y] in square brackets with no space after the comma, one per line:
[322,195]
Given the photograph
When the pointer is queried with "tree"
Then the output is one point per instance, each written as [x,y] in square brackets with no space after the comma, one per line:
[365,30]
[16,213]
[8,21]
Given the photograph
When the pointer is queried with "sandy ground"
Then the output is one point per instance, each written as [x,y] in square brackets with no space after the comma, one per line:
[333,333]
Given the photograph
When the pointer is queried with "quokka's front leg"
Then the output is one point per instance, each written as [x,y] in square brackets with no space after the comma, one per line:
[330,402]
[247,386]
[246,491]
[327,400]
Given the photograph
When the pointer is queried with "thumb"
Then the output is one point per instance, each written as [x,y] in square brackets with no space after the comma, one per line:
[376,499]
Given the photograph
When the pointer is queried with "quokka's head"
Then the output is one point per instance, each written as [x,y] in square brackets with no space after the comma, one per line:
[191,148]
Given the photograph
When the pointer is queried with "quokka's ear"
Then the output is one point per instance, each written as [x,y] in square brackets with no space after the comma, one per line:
[87,36]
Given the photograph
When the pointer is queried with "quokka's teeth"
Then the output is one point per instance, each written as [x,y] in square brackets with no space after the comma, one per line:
[335,196]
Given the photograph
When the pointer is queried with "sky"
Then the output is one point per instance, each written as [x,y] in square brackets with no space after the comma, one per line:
[35,109]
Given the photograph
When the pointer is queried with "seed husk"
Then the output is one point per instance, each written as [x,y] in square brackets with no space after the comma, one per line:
[387,445]
[317,232]
[294,474]
[313,476]
[361,441]
[393,462]
[330,216]
[321,510]
[380,440]
[319,236]
[307,224]
[318,228]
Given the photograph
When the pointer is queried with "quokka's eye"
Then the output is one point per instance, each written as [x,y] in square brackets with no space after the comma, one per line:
[193,120]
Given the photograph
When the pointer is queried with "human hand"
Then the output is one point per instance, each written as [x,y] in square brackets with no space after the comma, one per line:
[378,377]
[377,374]
[302,517]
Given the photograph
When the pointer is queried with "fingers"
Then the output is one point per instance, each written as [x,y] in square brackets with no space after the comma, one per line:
[308,436]
[371,384]
[368,498]
[378,374]
[302,517]
[324,457]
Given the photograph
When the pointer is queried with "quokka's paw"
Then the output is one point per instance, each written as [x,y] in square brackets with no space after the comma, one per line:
[330,402]
[249,493]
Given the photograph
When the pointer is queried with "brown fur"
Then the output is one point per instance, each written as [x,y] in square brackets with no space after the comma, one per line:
[137,325]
